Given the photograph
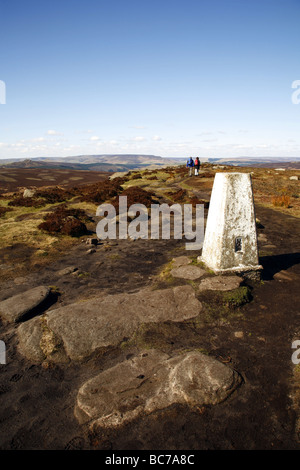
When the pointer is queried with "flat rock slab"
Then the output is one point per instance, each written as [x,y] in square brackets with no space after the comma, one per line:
[181,261]
[16,307]
[189,272]
[153,381]
[223,283]
[285,276]
[84,327]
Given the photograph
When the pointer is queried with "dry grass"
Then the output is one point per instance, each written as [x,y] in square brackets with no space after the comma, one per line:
[281,201]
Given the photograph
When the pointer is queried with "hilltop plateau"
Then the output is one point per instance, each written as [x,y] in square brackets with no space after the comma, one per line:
[102,336]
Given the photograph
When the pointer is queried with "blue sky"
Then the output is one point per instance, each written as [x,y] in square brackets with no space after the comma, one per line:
[211,78]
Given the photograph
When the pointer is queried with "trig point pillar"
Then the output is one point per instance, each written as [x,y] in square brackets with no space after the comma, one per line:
[230,242]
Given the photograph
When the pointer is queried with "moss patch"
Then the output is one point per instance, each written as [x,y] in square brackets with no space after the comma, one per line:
[223,306]
[238,297]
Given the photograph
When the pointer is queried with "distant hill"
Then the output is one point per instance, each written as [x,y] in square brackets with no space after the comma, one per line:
[110,163]
[61,165]
[121,159]
[259,162]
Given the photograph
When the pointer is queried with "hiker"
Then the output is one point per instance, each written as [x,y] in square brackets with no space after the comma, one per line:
[197,166]
[190,165]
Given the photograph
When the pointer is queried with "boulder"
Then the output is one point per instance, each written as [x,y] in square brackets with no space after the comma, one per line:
[15,308]
[150,382]
[86,326]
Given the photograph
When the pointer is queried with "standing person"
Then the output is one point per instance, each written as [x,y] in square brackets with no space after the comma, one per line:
[197,166]
[190,165]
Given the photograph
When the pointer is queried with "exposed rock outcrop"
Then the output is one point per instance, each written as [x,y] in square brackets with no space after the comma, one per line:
[153,381]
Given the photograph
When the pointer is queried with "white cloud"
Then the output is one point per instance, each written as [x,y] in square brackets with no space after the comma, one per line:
[53,132]
[38,139]
[94,138]
[139,139]
[156,138]
[205,133]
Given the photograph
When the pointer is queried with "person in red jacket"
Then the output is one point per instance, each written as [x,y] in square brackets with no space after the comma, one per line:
[197,166]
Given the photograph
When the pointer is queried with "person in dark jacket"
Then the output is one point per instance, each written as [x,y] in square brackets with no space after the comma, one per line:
[197,166]
[190,164]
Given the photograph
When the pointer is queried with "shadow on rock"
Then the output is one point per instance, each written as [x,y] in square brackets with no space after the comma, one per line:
[277,263]
[42,307]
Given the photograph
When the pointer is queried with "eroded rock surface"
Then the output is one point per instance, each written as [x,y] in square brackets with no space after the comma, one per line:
[84,327]
[153,381]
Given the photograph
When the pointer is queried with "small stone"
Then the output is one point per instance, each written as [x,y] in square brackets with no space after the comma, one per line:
[91,250]
[295,178]
[92,241]
[68,270]
[262,237]
[239,334]
[261,338]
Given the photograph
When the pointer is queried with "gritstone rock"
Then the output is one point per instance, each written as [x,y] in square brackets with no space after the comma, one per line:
[84,327]
[153,381]
[222,283]
[16,307]
[189,272]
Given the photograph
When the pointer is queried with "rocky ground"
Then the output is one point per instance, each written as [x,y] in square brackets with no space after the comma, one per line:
[134,345]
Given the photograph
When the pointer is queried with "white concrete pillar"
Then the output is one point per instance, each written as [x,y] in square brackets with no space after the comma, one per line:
[230,242]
